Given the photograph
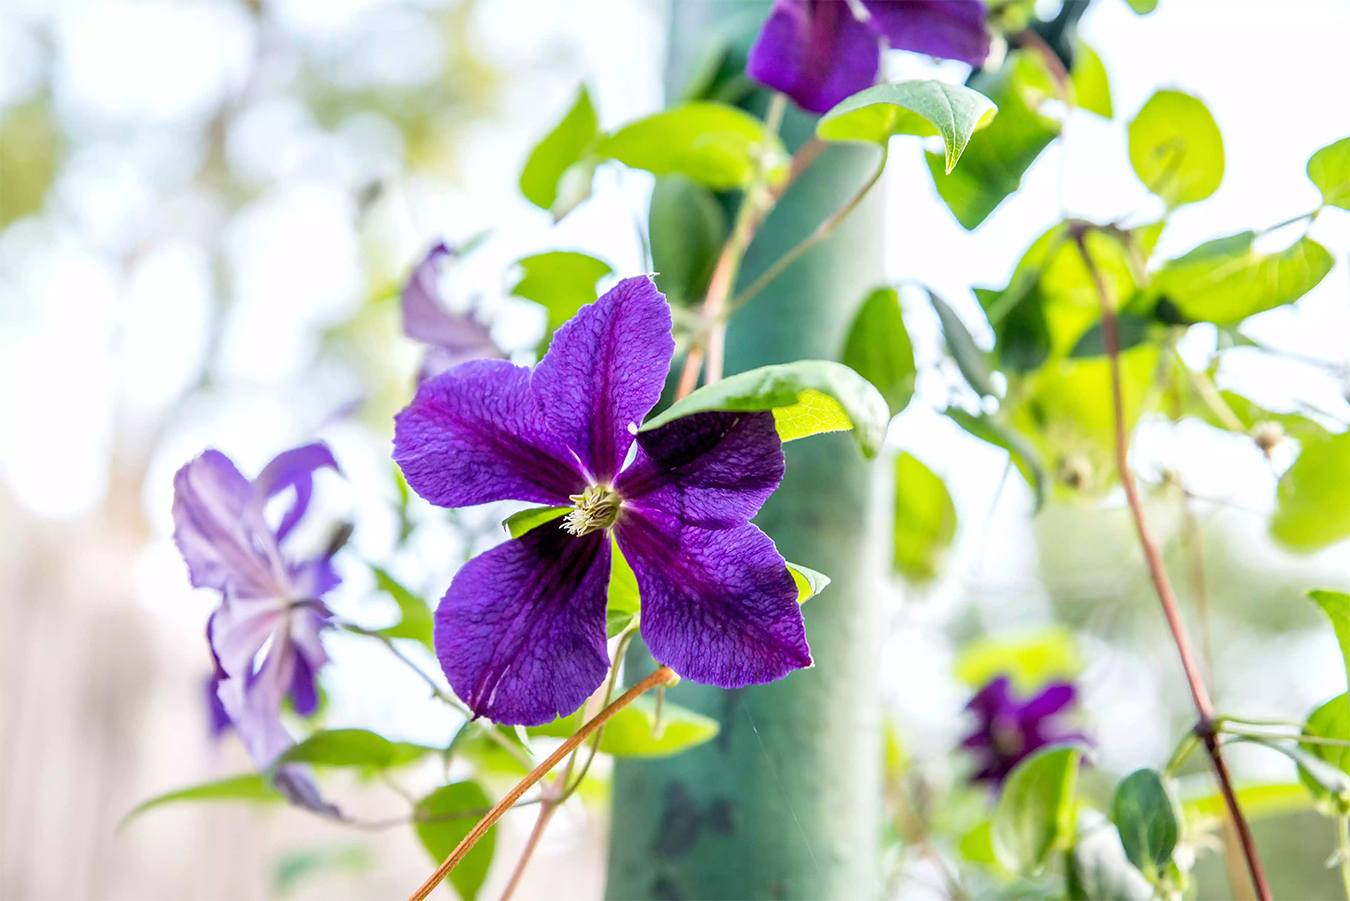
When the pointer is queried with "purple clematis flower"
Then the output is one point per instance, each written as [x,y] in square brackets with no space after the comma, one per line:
[265,634]
[1009,729]
[451,338]
[818,53]
[521,631]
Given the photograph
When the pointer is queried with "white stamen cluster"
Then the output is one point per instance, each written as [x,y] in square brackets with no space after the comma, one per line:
[597,508]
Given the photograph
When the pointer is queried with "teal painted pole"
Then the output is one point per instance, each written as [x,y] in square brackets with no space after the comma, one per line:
[785,803]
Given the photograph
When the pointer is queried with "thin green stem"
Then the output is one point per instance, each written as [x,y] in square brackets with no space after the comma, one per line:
[1185,748]
[1311,214]
[1210,396]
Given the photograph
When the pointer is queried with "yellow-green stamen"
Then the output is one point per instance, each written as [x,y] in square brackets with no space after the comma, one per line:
[597,508]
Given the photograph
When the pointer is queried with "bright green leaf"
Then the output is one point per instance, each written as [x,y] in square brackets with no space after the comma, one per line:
[1035,813]
[687,228]
[1312,507]
[415,620]
[809,582]
[977,845]
[1336,605]
[1329,169]
[1331,720]
[559,151]
[925,520]
[443,819]
[624,601]
[921,107]
[1146,814]
[352,747]
[807,397]
[562,282]
[1257,801]
[1029,661]
[713,143]
[518,524]
[247,787]
[1142,7]
[1022,453]
[878,348]
[1091,86]
[1176,148]
[632,732]
[973,362]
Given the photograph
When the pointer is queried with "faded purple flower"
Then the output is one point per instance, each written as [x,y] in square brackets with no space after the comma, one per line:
[818,53]
[1009,729]
[521,631]
[265,634]
[451,338]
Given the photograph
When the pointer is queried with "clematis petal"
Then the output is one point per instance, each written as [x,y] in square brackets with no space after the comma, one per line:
[521,632]
[713,470]
[814,51]
[239,629]
[211,528]
[950,29]
[992,700]
[604,371]
[475,434]
[292,469]
[1052,700]
[718,605]
[454,337]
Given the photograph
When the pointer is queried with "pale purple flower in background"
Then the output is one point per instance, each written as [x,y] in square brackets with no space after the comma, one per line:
[1008,729]
[818,53]
[521,631]
[451,337]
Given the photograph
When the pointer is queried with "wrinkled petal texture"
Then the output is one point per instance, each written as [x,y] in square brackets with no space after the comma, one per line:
[604,371]
[293,469]
[475,434]
[712,470]
[458,336]
[718,605]
[521,632]
[814,51]
[949,29]
[211,509]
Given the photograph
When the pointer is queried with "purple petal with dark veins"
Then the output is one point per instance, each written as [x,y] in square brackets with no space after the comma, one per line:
[604,371]
[950,29]
[293,469]
[455,337]
[814,51]
[713,470]
[521,632]
[718,605]
[476,434]
[215,533]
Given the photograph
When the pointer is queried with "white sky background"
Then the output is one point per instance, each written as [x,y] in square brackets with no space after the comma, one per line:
[86,342]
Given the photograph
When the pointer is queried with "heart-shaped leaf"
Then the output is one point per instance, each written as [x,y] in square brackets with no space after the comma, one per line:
[1176,148]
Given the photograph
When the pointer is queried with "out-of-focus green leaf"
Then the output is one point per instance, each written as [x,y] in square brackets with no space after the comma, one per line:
[878,348]
[809,582]
[1226,280]
[1329,169]
[255,787]
[415,620]
[1142,7]
[1331,720]
[30,151]
[1336,605]
[1257,801]
[1029,661]
[1328,783]
[624,600]
[633,732]
[925,520]
[353,747]
[1022,452]
[561,281]
[973,362]
[1176,148]
[1313,499]
[518,524]
[1146,814]
[1022,333]
[713,143]
[977,845]
[443,819]
[294,866]
[687,228]
[807,397]
[997,156]
[1098,869]
[1091,86]
[1035,814]
[920,107]
[1131,331]
[562,149]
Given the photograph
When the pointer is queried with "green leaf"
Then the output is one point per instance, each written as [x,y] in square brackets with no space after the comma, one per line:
[1091,86]
[1021,451]
[245,787]
[352,747]
[1226,280]
[878,348]
[809,582]
[1030,661]
[1331,720]
[440,831]
[1142,7]
[1146,814]
[518,524]
[1022,340]
[30,152]
[632,731]
[1336,605]
[1329,785]
[1131,331]
[624,600]
[1098,869]
[1312,507]
[1035,814]
[1257,801]
[1176,148]
[560,150]
[1329,169]
[921,107]
[713,143]
[977,845]
[561,281]
[415,620]
[807,397]
[687,228]
[973,362]
[925,520]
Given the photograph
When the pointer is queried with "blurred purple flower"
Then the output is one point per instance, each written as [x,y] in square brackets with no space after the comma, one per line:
[818,53]
[451,338]
[521,631]
[265,634]
[1008,729]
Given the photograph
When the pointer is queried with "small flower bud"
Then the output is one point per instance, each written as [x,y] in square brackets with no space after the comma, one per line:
[1268,436]
[1076,472]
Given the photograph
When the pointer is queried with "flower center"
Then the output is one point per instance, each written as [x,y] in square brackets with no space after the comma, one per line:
[1007,736]
[597,508]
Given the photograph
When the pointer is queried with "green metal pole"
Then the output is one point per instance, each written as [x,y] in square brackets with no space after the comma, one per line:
[785,803]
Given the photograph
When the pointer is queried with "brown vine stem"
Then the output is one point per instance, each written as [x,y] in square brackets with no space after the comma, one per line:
[662,676]
[1205,727]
